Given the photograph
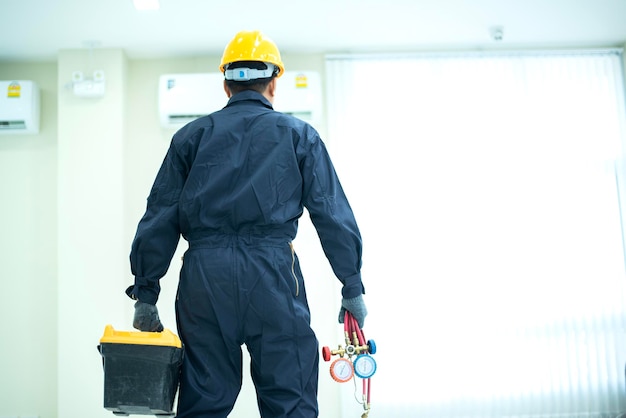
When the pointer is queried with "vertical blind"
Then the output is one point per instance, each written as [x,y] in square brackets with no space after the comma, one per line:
[487,188]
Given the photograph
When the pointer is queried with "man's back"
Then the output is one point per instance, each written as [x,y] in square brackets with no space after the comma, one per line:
[244,176]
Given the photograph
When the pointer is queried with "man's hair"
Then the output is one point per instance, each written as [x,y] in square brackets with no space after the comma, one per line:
[258,84]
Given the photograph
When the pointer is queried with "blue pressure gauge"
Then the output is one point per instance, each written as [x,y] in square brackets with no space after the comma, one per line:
[364,366]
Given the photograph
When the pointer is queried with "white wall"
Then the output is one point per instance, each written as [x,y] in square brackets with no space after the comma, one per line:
[28,255]
[90,181]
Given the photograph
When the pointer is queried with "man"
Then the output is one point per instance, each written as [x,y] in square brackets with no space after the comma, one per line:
[234,184]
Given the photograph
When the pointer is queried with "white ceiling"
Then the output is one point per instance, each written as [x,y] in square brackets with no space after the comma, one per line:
[35,30]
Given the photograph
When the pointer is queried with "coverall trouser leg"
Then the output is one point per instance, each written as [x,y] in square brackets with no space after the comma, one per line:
[253,294]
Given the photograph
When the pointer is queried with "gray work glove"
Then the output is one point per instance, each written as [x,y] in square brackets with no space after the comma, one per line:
[147,318]
[356,306]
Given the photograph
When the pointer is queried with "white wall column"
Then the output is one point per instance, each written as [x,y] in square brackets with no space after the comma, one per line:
[92,254]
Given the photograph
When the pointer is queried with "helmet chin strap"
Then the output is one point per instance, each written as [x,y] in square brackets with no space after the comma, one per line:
[246,74]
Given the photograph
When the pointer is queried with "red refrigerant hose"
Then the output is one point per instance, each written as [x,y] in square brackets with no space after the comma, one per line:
[351,326]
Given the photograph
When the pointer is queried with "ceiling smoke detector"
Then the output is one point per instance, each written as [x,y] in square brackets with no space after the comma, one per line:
[497,33]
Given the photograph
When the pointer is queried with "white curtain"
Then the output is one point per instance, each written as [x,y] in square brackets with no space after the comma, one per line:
[487,188]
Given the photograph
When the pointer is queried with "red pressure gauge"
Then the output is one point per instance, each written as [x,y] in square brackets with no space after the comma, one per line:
[341,370]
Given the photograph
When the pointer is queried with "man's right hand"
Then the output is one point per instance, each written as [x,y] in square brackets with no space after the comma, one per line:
[147,318]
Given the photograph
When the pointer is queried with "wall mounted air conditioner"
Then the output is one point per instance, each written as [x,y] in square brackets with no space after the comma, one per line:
[299,93]
[185,97]
[19,107]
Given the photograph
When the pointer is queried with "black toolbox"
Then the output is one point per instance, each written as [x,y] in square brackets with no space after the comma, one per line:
[141,371]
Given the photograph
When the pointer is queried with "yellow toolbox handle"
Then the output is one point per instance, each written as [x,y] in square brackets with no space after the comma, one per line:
[165,338]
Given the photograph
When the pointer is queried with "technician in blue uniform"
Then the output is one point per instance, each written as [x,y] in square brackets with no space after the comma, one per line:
[234,184]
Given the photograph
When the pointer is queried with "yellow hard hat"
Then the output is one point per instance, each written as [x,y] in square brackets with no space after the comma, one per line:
[252,46]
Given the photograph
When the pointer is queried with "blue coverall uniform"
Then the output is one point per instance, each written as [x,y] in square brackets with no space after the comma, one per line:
[234,184]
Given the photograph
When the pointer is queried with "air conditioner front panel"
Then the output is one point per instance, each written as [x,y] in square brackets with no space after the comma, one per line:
[19,107]
[186,97]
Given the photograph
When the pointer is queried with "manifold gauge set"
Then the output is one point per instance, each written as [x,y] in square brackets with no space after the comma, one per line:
[354,359]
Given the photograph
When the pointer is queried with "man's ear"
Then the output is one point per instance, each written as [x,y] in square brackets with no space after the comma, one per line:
[227,90]
[271,90]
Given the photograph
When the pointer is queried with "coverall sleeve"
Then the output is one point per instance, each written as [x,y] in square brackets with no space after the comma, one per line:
[158,232]
[332,217]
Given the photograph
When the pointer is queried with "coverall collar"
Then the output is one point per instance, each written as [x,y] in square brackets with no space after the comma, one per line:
[249,95]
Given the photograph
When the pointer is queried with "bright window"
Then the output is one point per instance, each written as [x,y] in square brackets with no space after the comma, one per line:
[487,188]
